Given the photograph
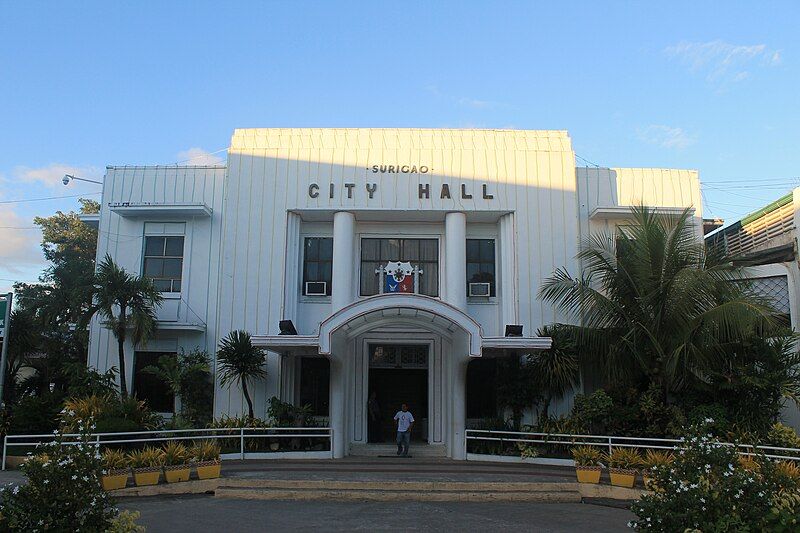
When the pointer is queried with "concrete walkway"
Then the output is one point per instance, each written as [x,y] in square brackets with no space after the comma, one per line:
[209,514]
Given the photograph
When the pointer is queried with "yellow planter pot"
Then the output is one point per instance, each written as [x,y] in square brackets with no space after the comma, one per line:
[146,476]
[209,469]
[588,474]
[115,479]
[178,473]
[622,478]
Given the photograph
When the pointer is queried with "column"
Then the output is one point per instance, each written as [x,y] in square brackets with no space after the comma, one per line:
[342,295]
[344,229]
[455,267]
[508,278]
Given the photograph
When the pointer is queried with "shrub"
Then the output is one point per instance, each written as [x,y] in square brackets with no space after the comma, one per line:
[111,413]
[35,414]
[590,413]
[205,450]
[174,453]
[527,451]
[147,457]
[62,492]
[586,456]
[125,522]
[623,458]
[114,460]
[783,436]
[706,489]
[656,458]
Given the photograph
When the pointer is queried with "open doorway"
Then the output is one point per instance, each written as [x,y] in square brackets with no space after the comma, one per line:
[398,373]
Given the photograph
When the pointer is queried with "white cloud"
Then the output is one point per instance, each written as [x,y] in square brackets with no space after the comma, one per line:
[666,136]
[723,62]
[52,174]
[20,246]
[198,156]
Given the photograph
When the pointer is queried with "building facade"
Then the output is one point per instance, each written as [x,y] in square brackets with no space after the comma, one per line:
[400,256]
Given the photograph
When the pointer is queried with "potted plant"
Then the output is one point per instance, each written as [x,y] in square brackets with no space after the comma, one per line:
[206,455]
[176,462]
[115,469]
[146,465]
[654,459]
[587,463]
[622,466]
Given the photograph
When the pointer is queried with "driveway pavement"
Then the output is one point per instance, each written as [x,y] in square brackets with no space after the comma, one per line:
[209,514]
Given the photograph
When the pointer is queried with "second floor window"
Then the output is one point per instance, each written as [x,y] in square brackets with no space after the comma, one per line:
[317,265]
[421,253]
[480,263]
[163,262]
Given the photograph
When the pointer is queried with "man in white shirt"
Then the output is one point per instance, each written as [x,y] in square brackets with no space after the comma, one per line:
[405,421]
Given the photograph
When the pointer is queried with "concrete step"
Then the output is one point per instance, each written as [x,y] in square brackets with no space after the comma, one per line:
[390,450]
[264,489]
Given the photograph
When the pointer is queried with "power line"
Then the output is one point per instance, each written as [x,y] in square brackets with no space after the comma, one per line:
[49,198]
[587,161]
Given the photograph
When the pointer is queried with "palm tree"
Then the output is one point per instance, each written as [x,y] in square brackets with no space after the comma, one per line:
[125,302]
[652,304]
[557,370]
[240,361]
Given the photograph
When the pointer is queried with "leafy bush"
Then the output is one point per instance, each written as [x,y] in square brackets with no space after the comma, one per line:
[114,460]
[205,450]
[590,413]
[147,457]
[174,453]
[705,488]
[586,456]
[125,522]
[35,414]
[62,492]
[623,458]
[657,458]
[783,436]
[111,413]
[284,414]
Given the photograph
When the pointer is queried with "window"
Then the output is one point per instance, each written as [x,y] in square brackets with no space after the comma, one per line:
[422,253]
[480,263]
[163,262]
[315,376]
[148,387]
[318,263]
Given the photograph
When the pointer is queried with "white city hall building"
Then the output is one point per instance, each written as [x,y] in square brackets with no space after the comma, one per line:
[405,259]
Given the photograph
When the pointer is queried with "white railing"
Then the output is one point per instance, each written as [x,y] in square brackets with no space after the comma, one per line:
[241,434]
[609,442]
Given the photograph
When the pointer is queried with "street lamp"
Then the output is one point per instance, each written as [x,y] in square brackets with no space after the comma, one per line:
[67,177]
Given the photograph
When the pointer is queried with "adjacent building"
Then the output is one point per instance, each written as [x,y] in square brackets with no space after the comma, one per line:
[395,262]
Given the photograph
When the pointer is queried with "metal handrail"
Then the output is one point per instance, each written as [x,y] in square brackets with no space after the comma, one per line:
[182,434]
[610,442]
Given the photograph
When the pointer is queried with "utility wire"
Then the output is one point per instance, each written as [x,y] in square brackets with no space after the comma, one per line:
[49,198]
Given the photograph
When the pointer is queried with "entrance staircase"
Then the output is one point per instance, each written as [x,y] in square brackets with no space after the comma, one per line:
[390,450]
[439,491]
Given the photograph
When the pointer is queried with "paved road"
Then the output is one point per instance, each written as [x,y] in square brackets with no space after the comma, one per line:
[208,514]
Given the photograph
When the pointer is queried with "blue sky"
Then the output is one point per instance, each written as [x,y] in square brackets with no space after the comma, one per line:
[703,85]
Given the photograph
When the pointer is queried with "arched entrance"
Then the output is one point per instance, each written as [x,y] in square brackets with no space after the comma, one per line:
[361,336]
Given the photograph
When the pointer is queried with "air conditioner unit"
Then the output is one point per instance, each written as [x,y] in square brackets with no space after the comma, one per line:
[316,288]
[480,289]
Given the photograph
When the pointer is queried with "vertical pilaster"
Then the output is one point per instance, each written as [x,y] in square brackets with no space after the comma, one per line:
[455,269]
[508,275]
[342,295]
[344,229]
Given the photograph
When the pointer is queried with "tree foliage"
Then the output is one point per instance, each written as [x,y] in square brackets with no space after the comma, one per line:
[124,301]
[653,306]
[238,361]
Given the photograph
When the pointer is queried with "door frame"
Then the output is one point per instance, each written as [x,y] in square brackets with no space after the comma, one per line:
[360,389]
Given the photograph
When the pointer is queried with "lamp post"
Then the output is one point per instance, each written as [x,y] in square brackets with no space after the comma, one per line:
[68,177]
[4,352]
